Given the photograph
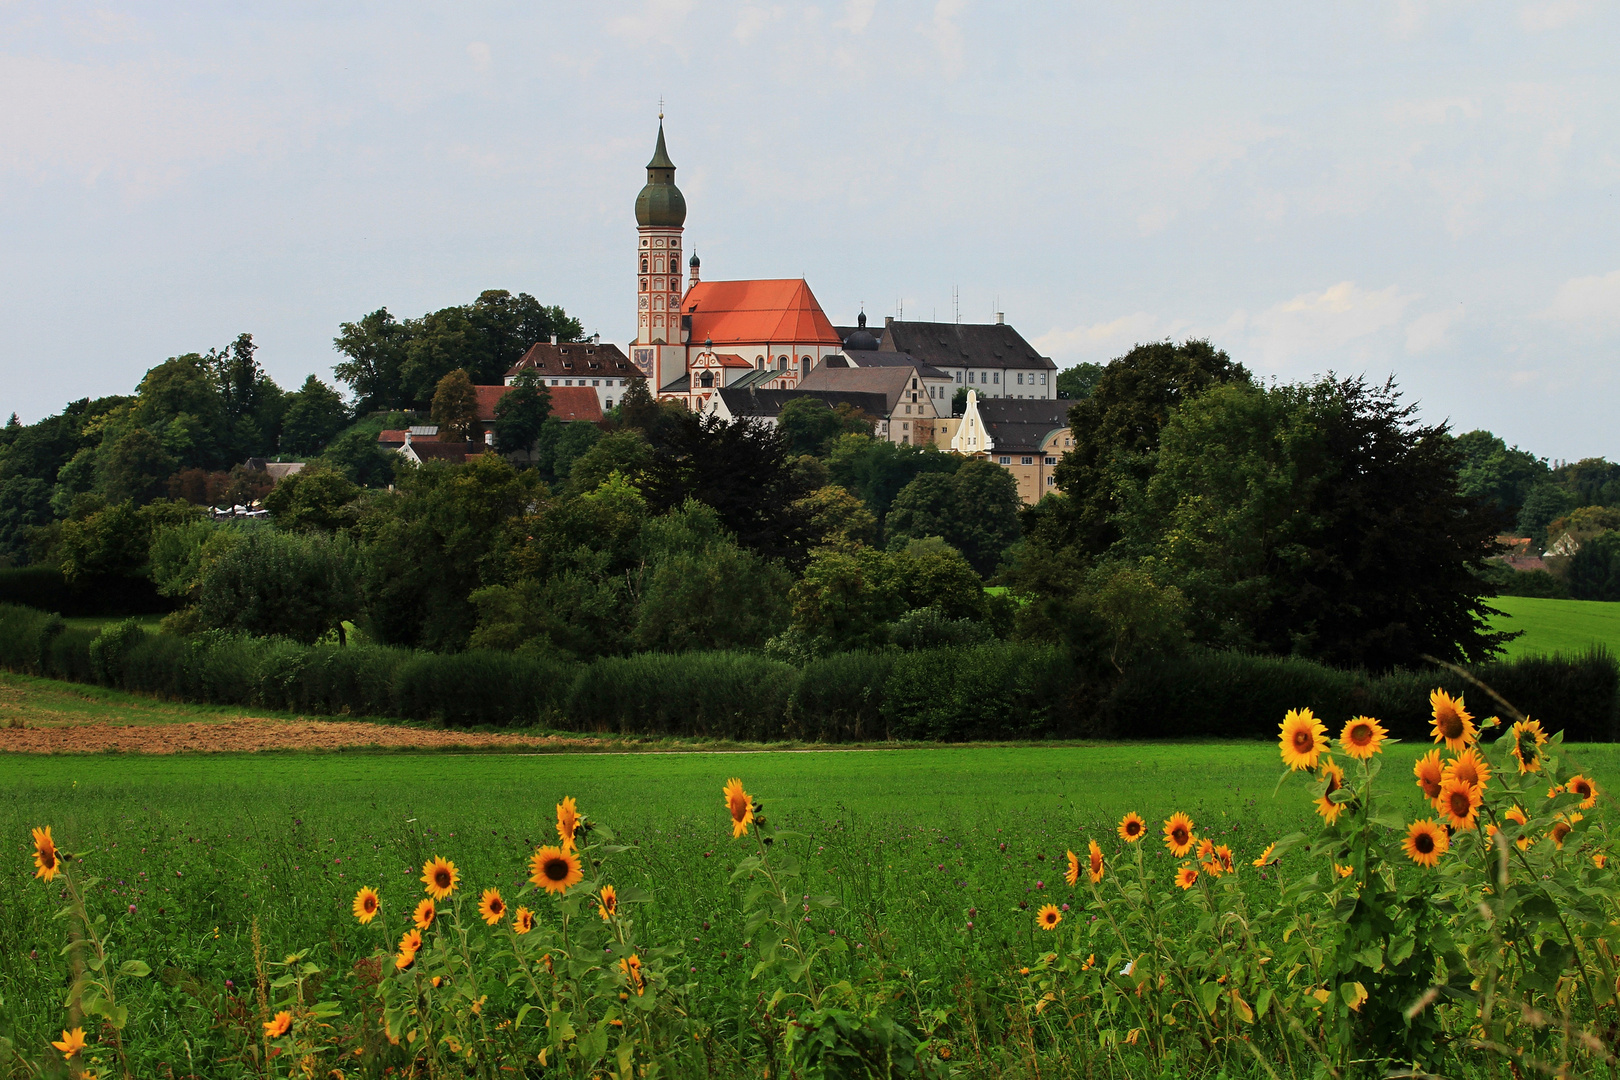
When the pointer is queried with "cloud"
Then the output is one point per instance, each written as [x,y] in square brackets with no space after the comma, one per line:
[1312,323]
[1428,332]
[656,18]
[1553,14]
[479,52]
[1591,303]
[947,35]
[1106,340]
[857,15]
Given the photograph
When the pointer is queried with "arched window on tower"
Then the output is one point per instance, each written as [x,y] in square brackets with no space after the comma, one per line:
[643,266]
[706,380]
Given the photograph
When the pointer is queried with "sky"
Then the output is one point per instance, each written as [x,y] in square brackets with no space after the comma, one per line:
[1429,190]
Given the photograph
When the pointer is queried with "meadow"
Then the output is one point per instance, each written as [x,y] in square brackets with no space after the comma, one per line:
[937,860]
[1557,626]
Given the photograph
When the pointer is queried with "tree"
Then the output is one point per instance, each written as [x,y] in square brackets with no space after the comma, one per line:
[975,510]
[315,415]
[315,499]
[275,583]
[115,540]
[1143,618]
[1492,472]
[876,469]
[136,468]
[25,504]
[521,412]
[637,409]
[809,425]
[1545,504]
[455,407]
[1594,572]
[356,455]
[179,403]
[627,453]
[833,518]
[375,347]
[1077,382]
[485,338]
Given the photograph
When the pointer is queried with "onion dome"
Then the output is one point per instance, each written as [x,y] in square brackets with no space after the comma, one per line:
[861,340]
[661,202]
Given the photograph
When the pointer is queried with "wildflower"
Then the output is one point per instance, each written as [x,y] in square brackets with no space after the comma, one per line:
[440,876]
[1303,738]
[1095,862]
[741,807]
[1459,801]
[567,822]
[275,1029]
[1561,828]
[422,917]
[1334,776]
[1187,876]
[46,863]
[1343,871]
[1426,842]
[523,921]
[1223,856]
[491,907]
[365,904]
[1528,739]
[1206,849]
[1428,770]
[1362,737]
[1599,860]
[1091,962]
[1049,917]
[1453,724]
[555,870]
[1178,834]
[1580,785]
[1131,827]
[1469,766]
[1554,791]
[631,966]
[609,906]
[72,1041]
[1265,856]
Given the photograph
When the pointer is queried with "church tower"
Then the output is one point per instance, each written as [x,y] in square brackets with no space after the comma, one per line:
[660,348]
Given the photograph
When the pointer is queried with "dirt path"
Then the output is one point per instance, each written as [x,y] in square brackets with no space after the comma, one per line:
[249,734]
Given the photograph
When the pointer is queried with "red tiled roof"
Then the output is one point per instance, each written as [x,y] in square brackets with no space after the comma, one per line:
[574,403]
[487,397]
[731,359]
[391,436]
[783,310]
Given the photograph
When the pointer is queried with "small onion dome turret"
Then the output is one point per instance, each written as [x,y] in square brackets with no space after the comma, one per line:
[694,262]
[661,202]
[861,340]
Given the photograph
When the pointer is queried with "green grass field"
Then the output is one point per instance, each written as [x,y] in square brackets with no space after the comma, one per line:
[1557,626]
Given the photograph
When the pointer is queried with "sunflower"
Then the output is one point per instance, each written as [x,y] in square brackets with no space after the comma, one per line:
[1334,776]
[411,942]
[523,921]
[1561,828]
[1178,834]
[1453,724]
[1459,802]
[422,917]
[1343,871]
[609,906]
[567,822]
[1206,849]
[1211,867]
[1528,739]
[1516,815]
[1600,860]
[1049,917]
[275,1029]
[555,870]
[46,863]
[631,966]
[440,876]
[72,1042]
[1094,866]
[1427,769]
[1223,856]
[1362,737]
[404,960]
[1426,842]
[365,904]
[491,907]
[741,807]
[1187,876]
[1302,739]
[1265,856]
[1072,874]
[1580,785]
[1131,827]
[1469,766]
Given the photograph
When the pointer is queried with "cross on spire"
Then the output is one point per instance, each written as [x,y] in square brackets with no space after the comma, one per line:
[660,106]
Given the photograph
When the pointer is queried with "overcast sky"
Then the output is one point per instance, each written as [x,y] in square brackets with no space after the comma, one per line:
[1423,189]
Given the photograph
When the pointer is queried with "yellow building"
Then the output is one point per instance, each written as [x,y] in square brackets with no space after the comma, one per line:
[1026,437]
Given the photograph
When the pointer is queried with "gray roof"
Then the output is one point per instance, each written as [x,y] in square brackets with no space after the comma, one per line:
[681,385]
[891,382]
[768,403]
[896,359]
[954,345]
[1020,425]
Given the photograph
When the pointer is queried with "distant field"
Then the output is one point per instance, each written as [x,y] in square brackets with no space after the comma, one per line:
[1566,626]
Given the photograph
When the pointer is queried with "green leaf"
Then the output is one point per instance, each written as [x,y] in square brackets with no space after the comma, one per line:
[135,969]
[1401,948]
[1262,1001]
[1208,994]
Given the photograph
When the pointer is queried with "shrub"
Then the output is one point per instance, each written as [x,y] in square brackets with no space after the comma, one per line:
[720,694]
[45,588]
[999,691]
[25,636]
[110,650]
[480,687]
[840,697]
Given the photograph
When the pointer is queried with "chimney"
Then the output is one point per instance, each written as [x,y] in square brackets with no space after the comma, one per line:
[1001,318]
[554,339]
[888,320]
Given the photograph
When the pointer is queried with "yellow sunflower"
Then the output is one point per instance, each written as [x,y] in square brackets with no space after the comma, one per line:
[1600,860]
[741,807]
[1470,767]
[1131,827]
[1303,738]
[1187,876]
[72,1042]
[1265,856]
[1561,828]
[1206,849]
[1223,857]
[409,945]
[1362,737]
[1334,776]
[491,908]
[1343,871]
[1516,815]
[1072,874]
[1426,842]
[275,1029]
[1580,785]
[1428,770]
[1528,739]
[555,870]
[609,906]
[46,863]
[366,904]
[567,822]
[1049,917]
[523,921]
[1211,867]
[1178,834]
[1459,802]
[440,876]
[631,966]
[1094,867]
[422,917]
[1453,724]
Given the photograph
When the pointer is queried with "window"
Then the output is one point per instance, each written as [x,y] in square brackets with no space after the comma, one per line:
[908,410]
[553,382]
[644,243]
[596,382]
[1043,378]
[914,384]
[706,380]
[958,376]
[568,382]
[609,404]
[905,425]
[1048,460]
[1004,460]
[914,394]
[781,363]
[1050,481]
[643,266]
[1020,378]
[1026,461]
[997,379]
[970,376]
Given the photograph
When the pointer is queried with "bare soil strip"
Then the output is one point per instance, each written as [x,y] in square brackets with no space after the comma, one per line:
[252,734]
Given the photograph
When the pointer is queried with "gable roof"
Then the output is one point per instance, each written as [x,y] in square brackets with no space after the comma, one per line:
[726,359]
[953,345]
[487,397]
[1022,425]
[891,382]
[574,358]
[878,358]
[765,310]
[752,402]
[575,403]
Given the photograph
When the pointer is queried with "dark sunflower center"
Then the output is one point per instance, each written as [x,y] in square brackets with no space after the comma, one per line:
[1451,726]
[1179,835]
[1424,843]
[1303,741]
[1333,784]
[1459,804]
[1583,790]
[1133,827]
[370,903]
[1361,734]
[48,857]
[496,906]
[556,869]
[441,878]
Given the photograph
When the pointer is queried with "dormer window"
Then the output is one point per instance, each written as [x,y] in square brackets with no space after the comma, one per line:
[706,380]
